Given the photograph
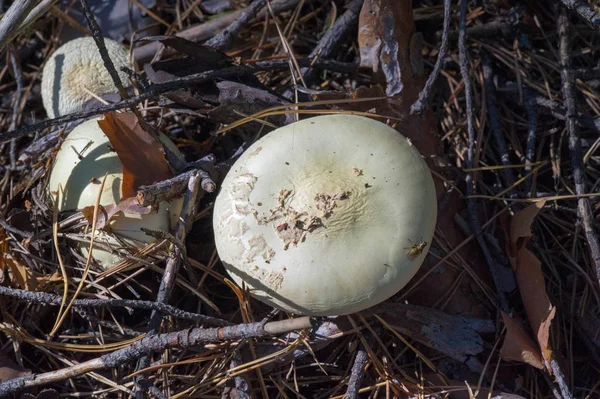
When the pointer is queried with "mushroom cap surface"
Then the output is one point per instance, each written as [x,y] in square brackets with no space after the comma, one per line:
[326,216]
[79,167]
[74,70]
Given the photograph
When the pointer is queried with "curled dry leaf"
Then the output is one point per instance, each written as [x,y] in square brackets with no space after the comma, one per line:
[141,154]
[520,226]
[106,213]
[518,346]
[530,279]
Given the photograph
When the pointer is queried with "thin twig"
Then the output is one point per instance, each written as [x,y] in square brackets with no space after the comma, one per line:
[173,188]
[170,273]
[586,73]
[427,90]
[585,214]
[492,108]
[14,64]
[531,111]
[559,112]
[172,267]
[36,13]
[334,36]
[147,385]
[154,91]
[158,343]
[106,324]
[358,372]
[238,386]
[44,298]
[13,18]
[559,376]
[471,145]
[207,29]
[223,38]
[99,39]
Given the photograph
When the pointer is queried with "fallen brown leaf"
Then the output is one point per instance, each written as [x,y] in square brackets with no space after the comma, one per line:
[518,346]
[21,275]
[106,213]
[142,155]
[530,279]
[9,369]
[520,226]
[528,272]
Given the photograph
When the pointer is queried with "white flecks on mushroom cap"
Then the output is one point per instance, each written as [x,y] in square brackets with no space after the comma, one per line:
[75,70]
[325,216]
[79,168]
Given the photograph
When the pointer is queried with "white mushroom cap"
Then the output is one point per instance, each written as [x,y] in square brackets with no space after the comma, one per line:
[75,67]
[326,216]
[80,179]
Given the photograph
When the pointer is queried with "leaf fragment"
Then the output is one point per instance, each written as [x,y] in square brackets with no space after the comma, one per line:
[141,154]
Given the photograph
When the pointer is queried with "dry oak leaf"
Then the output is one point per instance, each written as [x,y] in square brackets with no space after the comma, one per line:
[530,279]
[141,154]
[520,226]
[518,345]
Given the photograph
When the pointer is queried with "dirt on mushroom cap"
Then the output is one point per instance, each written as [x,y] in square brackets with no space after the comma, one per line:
[328,214]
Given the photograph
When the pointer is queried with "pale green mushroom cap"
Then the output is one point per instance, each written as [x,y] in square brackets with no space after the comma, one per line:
[80,165]
[319,217]
[75,67]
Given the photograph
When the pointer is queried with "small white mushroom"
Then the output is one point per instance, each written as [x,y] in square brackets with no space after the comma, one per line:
[75,72]
[326,216]
[80,165]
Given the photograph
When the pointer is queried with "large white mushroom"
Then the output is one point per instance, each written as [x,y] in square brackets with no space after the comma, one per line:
[79,168]
[75,73]
[326,216]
